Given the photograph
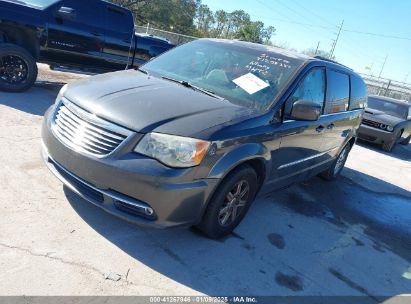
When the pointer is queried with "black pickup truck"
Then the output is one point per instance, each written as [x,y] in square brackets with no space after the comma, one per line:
[90,35]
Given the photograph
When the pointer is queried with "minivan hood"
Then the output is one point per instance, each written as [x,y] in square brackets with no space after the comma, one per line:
[381,117]
[145,103]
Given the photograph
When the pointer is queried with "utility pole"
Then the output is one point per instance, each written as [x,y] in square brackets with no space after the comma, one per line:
[383,65]
[336,40]
[406,77]
[372,65]
[316,50]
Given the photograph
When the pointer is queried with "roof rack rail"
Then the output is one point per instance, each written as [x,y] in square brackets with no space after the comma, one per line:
[330,60]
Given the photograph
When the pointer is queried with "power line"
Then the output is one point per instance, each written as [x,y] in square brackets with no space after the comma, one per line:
[377,34]
[293,21]
[327,36]
[313,13]
[326,27]
[316,17]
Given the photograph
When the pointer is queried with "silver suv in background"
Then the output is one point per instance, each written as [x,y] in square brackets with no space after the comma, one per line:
[386,122]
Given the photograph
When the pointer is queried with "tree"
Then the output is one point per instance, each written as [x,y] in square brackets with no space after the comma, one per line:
[204,20]
[314,52]
[235,21]
[220,18]
[282,45]
[254,32]
[169,15]
[267,33]
[130,4]
[193,18]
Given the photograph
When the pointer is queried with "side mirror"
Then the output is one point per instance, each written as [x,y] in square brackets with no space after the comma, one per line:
[305,110]
[66,13]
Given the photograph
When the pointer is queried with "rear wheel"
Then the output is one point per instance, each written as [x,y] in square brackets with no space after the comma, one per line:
[18,69]
[230,202]
[336,167]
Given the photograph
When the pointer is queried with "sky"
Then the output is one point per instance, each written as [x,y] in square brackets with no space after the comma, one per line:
[301,24]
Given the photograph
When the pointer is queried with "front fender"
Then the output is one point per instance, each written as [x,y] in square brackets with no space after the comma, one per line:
[236,156]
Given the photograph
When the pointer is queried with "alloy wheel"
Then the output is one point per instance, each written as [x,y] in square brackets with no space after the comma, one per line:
[341,161]
[13,69]
[234,203]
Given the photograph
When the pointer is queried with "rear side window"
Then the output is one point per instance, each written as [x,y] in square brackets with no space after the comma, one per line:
[311,88]
[118,20]
[358,98]
[338,92]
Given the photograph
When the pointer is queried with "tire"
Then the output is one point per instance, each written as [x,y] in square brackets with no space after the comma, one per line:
[407,141]
[389,146]
[334,171]
[213,224]
[18,69]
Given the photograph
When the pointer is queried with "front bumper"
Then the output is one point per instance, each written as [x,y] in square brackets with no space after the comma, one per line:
[129,185]
[375,135]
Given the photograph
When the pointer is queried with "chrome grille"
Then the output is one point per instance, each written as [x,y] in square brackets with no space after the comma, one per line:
[81,130]
[371,123]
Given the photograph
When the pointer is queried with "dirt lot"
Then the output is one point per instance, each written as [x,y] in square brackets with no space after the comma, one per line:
[350,237]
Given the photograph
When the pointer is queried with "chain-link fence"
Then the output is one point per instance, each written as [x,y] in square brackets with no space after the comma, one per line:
[387,87]
[174,38]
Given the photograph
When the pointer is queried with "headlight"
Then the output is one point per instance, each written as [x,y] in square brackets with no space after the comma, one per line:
[390,129]
[61,93]
[173,151]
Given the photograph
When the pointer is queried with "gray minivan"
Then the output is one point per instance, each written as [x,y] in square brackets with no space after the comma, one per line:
[192,136]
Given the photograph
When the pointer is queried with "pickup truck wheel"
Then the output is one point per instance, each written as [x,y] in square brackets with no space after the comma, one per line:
[18,69]
[230,202]
[338,164]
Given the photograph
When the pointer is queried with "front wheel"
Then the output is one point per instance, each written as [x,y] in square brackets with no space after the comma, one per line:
[230,202]
[389,146]
[338,164]
[18,69]
[407,141]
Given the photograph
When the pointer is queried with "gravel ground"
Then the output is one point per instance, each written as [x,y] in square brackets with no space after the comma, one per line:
[349,237]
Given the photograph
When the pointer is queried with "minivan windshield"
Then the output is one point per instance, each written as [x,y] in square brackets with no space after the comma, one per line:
[244,75]
[390,108]
[35,3]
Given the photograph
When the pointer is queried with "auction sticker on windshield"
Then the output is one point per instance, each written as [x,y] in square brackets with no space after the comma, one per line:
[250,83]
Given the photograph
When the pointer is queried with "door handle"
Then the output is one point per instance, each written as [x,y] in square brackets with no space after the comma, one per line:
[331,126]
[96,34]
[66,13]
[319,128]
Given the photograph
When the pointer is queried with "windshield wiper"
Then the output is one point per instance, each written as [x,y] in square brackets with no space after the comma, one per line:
[194,87]
[143,71]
